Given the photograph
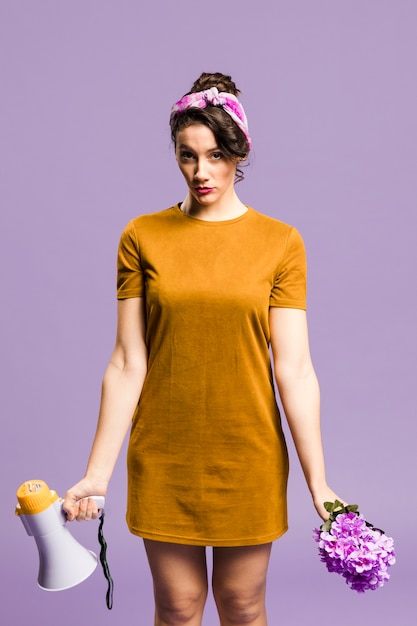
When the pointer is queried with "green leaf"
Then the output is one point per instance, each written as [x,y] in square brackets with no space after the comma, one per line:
[326,526]
[352,508]
[336,508]
[332,506]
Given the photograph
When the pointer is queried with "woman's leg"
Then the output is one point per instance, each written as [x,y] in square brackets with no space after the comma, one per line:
[180,582]
[239,584]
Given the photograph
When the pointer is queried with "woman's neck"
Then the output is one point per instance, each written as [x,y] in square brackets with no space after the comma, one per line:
[226,209]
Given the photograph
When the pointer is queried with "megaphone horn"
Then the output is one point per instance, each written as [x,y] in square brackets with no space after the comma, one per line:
[63,562]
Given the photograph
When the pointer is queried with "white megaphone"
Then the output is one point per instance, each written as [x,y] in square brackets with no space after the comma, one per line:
[63,562]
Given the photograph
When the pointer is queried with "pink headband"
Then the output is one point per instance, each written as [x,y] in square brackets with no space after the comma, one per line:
[227,101]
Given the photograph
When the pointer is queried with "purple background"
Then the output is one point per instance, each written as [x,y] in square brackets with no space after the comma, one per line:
[331,96]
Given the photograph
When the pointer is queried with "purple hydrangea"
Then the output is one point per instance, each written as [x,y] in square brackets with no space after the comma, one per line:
[351,547]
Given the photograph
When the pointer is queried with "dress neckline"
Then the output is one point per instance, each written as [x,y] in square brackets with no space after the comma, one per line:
[239,218]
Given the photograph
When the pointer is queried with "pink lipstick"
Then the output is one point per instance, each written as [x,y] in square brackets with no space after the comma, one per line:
[203,190]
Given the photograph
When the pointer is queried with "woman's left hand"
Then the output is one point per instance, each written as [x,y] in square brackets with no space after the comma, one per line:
[325,495]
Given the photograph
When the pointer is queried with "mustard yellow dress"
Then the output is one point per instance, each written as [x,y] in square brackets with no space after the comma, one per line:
[207,460]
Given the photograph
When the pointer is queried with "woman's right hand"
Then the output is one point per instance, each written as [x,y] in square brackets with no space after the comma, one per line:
[77,503]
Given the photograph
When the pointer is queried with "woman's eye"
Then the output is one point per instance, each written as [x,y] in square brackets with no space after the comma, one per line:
[217,155]
[186,155]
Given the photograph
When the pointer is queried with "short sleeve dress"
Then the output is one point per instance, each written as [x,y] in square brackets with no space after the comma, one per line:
[207,460]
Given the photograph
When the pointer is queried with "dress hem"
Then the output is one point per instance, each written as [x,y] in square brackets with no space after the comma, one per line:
[223,543]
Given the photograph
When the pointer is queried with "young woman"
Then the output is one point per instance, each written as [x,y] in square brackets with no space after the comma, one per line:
[204,288]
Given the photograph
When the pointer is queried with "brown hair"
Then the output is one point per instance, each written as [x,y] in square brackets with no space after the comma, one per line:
[230,139]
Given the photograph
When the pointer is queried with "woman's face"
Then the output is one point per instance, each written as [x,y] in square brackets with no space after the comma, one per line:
[209,174]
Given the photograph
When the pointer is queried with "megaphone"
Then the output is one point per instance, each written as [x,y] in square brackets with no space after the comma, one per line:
[63,562]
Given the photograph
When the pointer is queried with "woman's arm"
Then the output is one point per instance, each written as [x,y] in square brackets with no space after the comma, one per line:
[121,389]
[300,396]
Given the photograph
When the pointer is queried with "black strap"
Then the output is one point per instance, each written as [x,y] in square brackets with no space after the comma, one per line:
[104,564]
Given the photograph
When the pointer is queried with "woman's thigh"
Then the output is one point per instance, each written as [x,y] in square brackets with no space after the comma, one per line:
[239,579]
[179,573]
[244,566]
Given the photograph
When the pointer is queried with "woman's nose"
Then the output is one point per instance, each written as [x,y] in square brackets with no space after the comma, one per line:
[200,171]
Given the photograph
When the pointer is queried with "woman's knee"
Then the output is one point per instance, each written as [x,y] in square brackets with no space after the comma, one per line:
[240,606]
[180,607]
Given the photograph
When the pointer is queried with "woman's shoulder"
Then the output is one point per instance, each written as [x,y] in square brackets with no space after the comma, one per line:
[151,222]
[154,219]
[272,224]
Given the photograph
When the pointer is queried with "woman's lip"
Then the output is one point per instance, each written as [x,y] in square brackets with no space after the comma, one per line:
[203,190]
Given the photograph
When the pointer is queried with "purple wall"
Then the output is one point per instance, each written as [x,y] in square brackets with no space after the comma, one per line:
[330,91]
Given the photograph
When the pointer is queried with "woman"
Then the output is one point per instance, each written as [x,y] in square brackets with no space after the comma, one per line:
[203,289]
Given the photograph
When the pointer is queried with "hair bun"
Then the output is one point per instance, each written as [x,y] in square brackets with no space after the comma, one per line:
[221,81]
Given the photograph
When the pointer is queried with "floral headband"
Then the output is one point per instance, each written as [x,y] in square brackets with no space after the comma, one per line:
[227,101]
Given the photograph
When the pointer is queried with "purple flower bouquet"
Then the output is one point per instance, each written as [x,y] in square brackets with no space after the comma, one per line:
[354,548]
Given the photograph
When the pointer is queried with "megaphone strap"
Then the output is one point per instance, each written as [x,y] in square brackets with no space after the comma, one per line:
[104,564]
